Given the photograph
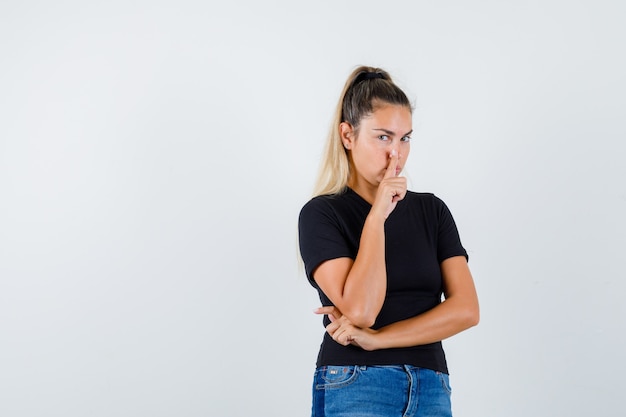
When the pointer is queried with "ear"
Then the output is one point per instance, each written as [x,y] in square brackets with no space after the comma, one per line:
[346,132]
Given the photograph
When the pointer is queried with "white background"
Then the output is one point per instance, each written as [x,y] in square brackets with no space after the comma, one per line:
[154,156]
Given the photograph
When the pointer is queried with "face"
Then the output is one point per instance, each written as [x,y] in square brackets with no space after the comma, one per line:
[387,129]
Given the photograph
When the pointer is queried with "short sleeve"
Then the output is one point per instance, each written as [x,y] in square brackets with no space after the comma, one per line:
[448,240]
[321,236]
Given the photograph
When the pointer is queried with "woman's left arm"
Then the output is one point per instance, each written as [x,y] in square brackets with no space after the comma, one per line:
[459,311]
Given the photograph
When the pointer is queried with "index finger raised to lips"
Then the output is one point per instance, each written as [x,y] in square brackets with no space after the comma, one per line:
[391,168]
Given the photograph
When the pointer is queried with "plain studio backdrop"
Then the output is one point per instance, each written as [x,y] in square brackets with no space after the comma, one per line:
[154,156]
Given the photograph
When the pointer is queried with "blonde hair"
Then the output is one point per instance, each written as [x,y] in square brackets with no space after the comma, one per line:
[365,90]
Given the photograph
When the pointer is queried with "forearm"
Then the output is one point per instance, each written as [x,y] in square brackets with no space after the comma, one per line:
[447,319]
[366,284]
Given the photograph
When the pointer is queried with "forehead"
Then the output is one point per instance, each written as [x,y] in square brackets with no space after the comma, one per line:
[389,115]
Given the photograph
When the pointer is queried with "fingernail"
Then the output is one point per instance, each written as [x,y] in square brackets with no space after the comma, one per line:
[393,152]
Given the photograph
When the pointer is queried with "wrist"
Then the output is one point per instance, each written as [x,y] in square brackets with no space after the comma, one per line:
[378,338]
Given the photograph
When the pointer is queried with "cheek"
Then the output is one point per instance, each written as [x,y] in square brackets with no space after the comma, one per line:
[383,158]
[373,156]
[405,152]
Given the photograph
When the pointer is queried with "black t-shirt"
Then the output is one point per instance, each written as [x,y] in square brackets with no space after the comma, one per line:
[419,234]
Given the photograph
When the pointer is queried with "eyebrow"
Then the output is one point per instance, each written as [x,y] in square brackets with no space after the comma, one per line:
[391,133]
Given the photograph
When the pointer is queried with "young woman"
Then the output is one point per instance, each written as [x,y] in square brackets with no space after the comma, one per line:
[382,258]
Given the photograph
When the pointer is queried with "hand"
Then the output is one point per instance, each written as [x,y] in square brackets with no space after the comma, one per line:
[391,189]
[332,312]
[345,333]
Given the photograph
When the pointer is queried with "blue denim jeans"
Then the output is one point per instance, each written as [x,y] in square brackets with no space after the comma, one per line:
[380,391]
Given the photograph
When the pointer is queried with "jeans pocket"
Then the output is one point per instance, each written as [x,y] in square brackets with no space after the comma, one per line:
[328,377]
[445,382]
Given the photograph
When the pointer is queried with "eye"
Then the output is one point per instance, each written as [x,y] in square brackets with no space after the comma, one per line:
[407,138]
[383,137]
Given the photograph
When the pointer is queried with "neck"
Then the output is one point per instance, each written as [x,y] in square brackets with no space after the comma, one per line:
[366,191]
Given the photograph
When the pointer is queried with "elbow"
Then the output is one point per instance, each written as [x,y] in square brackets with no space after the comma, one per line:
[361,318]
[365,322]
[469,312]
[471,316]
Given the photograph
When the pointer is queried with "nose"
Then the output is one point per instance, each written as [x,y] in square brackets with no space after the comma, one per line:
[395,150]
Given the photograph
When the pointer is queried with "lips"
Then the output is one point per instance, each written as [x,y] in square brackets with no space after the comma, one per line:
[398,171]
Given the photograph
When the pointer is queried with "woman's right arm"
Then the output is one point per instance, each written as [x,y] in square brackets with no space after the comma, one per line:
[357,288]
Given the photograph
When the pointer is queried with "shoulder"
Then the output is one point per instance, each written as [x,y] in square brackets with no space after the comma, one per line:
[322,205]
[419,196]
[423,198]
[427,203]
[320,202]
